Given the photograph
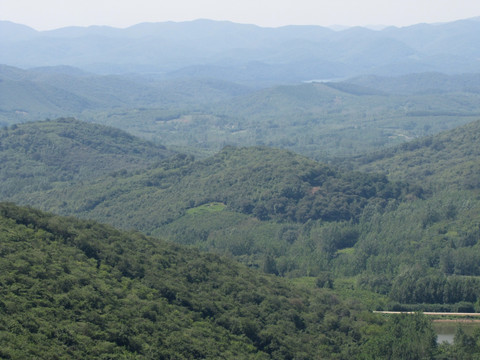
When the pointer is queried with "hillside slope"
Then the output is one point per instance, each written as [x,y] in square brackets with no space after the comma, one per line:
[40,155]
[423,251]
[247,202]
[77,289]
[266,183]
[291,216]
[450,158]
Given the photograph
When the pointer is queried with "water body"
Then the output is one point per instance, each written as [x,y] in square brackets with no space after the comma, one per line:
[446,329]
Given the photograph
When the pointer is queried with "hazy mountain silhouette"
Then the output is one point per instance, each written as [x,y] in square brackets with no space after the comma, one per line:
[247,53]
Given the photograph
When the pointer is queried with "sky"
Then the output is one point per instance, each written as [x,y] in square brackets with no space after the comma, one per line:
[53,14]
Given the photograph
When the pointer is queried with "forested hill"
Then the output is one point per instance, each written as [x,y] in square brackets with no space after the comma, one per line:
[263,182]
[423,83]
[40,155]
[75,289]
[318,120]
[449,158]
[56,91]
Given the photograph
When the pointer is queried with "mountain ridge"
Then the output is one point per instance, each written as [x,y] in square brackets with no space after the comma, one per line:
[170,47]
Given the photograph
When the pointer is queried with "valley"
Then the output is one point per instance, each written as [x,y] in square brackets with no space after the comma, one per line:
[199,210]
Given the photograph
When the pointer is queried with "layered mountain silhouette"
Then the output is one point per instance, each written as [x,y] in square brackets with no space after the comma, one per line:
[247,53]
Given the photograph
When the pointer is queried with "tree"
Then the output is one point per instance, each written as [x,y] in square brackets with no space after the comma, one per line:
[406,337]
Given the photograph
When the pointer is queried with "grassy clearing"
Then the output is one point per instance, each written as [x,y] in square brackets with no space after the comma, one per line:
[206,208]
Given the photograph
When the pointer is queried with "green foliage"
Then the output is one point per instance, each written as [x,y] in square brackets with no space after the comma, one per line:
[265,183]
[42,155]
[78,289]
[404,337]
[321,121]
[284,214]
[414,286]
[206,208]
[447,159]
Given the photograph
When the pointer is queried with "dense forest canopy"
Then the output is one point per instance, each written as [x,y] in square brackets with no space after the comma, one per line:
[292,216]
[238,209]
[76,289]
[447,159]
[322,120]
[263,182]
[40,155]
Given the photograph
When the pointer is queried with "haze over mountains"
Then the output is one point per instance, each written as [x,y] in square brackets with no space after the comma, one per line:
[320,120]
[247,53]
[363,191]
[204,84]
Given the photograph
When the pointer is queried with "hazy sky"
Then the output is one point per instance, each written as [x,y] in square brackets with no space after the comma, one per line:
[50,14]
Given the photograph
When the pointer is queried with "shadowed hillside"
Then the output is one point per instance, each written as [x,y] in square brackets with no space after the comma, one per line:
[41,155]
[78,289]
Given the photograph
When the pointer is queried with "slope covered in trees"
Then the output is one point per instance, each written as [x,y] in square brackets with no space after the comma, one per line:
[266,183]
[294,217]
[446,159]
[257,204]
[75,289]
[42,155]
[425,251]
[78,289]
[319,120]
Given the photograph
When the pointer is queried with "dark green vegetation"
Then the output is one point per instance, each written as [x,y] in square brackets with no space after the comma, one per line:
[321,120]
[292,216]
[266,183]
[272,195]
[395,229]
[73,289]
[449,159]
[78,289]
[43,155]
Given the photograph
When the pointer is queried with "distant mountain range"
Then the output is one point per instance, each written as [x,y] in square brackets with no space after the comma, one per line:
[247,53]
[65,91]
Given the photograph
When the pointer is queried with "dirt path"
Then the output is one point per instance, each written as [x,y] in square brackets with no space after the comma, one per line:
[431,313]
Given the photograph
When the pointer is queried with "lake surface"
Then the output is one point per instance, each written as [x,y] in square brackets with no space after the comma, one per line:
[446,329]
